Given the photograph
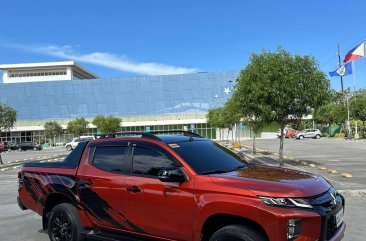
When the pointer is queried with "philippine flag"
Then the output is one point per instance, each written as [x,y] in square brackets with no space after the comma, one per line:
[355,53]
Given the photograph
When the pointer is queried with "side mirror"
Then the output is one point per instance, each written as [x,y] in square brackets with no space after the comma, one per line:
[171,174]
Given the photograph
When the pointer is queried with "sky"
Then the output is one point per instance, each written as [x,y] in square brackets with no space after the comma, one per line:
[145,37]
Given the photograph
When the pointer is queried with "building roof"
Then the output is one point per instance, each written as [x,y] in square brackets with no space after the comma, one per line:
[34,66]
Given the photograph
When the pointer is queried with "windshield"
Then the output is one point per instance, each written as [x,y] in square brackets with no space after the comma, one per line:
[206,157]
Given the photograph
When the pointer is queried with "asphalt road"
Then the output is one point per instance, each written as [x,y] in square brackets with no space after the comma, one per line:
[12,157]
[344,156]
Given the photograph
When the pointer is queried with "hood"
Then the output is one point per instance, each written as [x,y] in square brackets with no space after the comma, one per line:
[273,181]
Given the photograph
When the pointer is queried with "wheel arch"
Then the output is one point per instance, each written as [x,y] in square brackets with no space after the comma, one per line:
[55,199]
[220,220]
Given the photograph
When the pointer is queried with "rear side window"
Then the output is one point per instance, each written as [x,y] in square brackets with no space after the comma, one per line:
[149,162]
[109,158]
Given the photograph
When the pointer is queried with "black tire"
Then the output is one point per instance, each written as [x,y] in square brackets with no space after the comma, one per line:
[301,137]
[237,232]
[317,136]
[69,148]
[64,223]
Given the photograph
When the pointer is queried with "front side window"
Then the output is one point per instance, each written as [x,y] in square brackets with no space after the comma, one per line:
[109,158]
[149,162]
[207,157]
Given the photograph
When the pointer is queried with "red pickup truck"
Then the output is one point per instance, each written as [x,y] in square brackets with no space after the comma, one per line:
[146,186]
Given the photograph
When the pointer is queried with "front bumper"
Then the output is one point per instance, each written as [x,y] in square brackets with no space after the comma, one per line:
[317,224]
[339,234]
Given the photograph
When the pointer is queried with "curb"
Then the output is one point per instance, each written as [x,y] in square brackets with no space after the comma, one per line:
[353,193]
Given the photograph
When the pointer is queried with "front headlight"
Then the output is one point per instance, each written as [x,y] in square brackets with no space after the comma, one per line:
[286,202]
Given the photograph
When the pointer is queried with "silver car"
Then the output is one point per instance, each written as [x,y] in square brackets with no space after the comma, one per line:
[309,133]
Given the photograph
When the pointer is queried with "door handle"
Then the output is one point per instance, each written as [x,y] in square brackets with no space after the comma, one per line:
[133,189]
[86,182]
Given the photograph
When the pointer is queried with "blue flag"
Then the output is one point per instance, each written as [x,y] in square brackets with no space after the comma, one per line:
[343,70]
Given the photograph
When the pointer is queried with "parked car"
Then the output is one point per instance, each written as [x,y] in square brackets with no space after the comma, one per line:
[176,187]
[309,133]
[28,145]
[9,145]
[288,132]
[73,144]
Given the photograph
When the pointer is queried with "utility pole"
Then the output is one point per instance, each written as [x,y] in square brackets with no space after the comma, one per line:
[340,65]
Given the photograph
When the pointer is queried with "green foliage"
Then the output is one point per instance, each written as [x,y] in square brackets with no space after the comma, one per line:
[278,86]
[108,124]
[214,118]
[8,117]
[52,129]
[78,127]
[340,135]
[325,135]
[332,113]
[358,107]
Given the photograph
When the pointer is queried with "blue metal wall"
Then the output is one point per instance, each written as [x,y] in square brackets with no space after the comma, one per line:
[148,95]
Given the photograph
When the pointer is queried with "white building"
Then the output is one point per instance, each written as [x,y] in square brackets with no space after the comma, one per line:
[49,71]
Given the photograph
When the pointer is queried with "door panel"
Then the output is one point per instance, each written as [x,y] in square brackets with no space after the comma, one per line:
[101,185]
[158,208]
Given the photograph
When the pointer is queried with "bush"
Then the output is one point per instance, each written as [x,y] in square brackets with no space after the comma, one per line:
[340,135]
[325,135]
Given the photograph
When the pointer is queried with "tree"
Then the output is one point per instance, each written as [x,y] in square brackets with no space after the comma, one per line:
[8,117]
[281,87]
[332,113]
[52,129]
[109,124]
[358,110]
[214,119]
[78,127]
[230,116]
[254,115]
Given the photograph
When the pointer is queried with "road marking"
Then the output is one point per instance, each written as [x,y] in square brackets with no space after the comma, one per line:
[322,168]
[347,175]
[4,169]
[312,165]
[332,171]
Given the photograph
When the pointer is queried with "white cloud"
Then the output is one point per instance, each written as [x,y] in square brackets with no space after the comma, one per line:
[108,60]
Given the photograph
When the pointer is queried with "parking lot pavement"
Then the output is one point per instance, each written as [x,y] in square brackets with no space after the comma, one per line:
[321,157]
[12,157]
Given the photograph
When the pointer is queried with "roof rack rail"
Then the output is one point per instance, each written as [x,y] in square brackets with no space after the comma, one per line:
[185,133]
[136,133]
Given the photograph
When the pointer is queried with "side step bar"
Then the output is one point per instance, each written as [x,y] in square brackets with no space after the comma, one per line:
[107,236]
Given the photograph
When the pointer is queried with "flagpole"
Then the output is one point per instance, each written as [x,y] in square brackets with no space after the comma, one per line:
[339,64]
[354,94]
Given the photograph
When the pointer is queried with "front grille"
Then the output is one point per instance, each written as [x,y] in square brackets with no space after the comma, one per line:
[327,205]
[331,227]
